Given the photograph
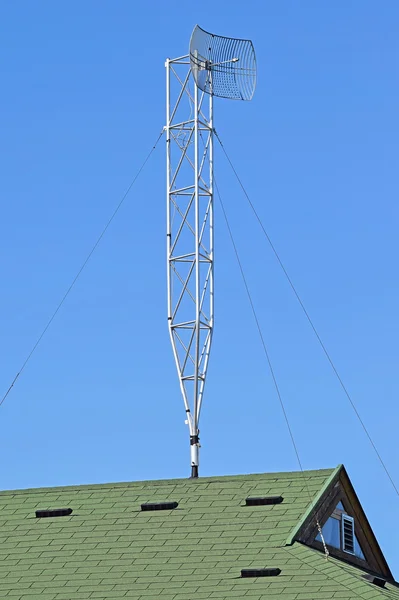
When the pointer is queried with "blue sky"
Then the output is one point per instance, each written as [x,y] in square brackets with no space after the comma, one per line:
[82,102]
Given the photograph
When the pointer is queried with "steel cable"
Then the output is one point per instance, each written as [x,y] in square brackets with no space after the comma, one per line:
[334,368]
[272,372]
[88,257]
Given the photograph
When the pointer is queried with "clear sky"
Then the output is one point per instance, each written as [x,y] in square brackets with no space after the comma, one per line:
[82,102]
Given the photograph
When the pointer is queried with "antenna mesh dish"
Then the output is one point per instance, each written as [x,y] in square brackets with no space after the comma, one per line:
[224,67]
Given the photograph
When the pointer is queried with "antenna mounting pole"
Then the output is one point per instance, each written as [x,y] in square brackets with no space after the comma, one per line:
[189,173]
[215,66]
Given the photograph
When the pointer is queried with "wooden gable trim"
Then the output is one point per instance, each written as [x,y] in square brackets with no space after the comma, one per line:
[341,490]
[363,530]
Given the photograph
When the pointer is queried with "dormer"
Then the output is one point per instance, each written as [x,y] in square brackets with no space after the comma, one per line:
[345,530]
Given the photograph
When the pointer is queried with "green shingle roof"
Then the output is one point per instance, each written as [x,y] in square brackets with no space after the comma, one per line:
[108,548]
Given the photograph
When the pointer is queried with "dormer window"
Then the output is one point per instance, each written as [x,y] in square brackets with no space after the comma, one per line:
[339,532]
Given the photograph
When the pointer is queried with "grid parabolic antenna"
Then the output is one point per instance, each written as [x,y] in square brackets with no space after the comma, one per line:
[223,66]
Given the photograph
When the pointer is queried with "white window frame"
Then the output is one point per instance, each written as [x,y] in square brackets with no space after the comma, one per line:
[348,519]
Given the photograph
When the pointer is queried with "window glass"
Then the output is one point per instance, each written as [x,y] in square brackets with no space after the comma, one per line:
[332,533]
[358,550]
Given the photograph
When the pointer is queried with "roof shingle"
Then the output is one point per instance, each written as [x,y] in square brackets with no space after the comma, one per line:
[109,549]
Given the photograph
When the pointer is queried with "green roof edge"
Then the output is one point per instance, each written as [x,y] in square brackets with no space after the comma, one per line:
[291,538]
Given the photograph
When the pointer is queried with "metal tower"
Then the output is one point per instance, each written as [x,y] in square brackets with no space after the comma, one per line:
[215,66]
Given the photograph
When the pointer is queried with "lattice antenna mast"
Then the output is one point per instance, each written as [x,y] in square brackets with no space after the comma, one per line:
[215,66]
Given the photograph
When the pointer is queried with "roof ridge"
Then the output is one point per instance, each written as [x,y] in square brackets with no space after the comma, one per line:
[189,481]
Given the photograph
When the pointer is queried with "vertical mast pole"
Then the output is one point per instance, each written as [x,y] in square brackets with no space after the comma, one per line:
[189,164]
[194,439]
[218,67]
[168,225]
